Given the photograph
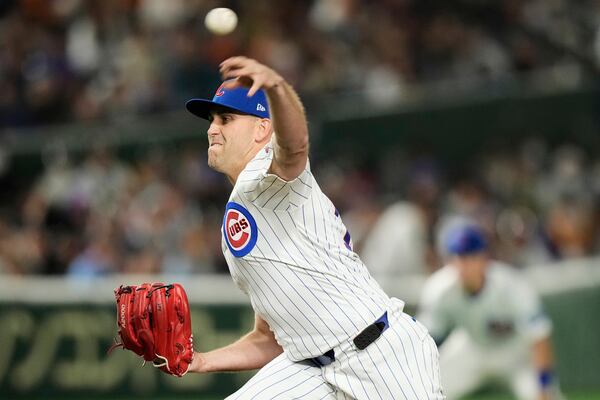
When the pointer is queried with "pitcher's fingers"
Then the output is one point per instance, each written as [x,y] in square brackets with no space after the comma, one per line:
[256,85]
[238,72]
[231,83]
[232,62]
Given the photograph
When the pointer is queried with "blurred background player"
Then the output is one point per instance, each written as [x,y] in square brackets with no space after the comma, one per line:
[491,323]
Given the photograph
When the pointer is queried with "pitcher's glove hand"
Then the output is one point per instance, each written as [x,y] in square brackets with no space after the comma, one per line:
[154,322]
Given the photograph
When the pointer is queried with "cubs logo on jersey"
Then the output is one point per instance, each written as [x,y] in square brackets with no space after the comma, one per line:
[239,229]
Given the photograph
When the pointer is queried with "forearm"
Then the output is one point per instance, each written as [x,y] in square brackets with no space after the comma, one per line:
[252,351]
[288,116]
[290,129]
[543,361]
[543,358]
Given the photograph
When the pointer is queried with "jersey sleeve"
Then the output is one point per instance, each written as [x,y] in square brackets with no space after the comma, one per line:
[532,321]
[269,191]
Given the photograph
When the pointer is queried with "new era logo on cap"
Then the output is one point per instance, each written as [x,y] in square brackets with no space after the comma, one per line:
[234,98]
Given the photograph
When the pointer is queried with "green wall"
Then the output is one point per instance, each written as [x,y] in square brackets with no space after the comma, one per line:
[458,131]
[59,351]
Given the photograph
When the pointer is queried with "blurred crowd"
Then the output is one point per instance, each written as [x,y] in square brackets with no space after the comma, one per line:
[161,211]
[101,60]
[536,204]
[99,212]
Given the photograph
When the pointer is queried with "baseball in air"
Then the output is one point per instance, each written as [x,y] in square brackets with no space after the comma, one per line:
[221,21]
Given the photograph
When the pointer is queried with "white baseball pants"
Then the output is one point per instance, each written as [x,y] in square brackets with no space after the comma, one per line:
[402,364]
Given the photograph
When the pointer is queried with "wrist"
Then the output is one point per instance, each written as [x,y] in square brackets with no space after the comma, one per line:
[277,85]
[198,363]
[545,378]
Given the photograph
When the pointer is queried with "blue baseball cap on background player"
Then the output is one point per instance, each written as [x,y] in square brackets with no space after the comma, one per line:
[235,99]
[465,240]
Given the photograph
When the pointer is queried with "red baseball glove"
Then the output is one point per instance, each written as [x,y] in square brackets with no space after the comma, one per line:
[154,322]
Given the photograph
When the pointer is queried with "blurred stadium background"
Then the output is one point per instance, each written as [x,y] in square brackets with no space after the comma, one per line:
[419,110]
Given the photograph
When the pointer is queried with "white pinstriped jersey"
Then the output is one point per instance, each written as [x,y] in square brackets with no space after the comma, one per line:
[506,309]
[288,250]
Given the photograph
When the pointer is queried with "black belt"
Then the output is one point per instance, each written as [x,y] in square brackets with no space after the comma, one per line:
[370,334]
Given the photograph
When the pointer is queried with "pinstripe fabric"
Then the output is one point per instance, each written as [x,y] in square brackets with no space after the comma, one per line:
[285,379]
[288,250]
[401,364]
[301,276]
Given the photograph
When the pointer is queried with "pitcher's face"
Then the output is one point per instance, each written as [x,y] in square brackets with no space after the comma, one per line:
[230,140]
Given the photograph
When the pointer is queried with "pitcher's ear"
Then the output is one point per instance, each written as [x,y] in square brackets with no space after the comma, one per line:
[265,129]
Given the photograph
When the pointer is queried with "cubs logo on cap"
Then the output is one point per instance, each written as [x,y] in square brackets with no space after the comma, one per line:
[233,98]
[239,229]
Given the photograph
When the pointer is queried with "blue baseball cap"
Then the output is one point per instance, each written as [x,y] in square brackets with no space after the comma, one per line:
[236,99]
[464,240]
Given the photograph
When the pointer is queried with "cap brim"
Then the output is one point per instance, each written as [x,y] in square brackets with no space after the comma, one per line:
[200,107]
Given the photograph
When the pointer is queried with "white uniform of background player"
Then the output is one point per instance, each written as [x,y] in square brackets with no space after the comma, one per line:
[498,330]
[288,249]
